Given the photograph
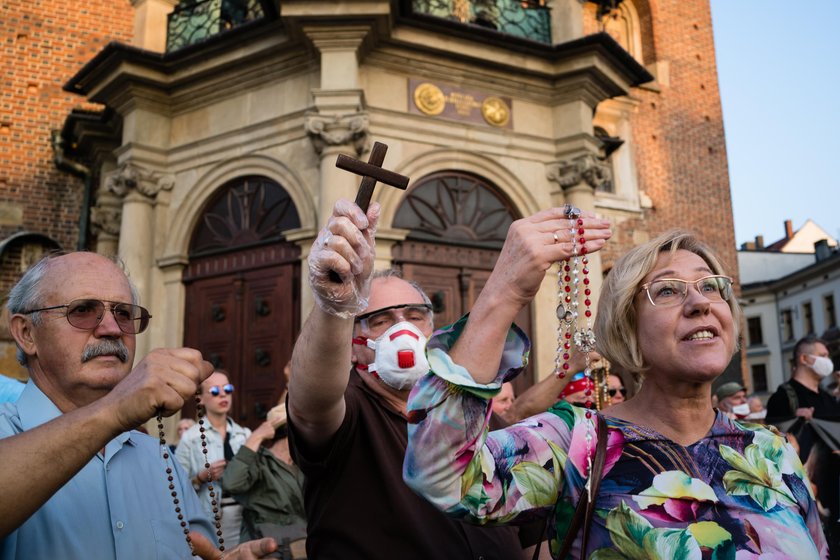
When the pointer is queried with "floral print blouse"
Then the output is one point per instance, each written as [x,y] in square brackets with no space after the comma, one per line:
[738,493]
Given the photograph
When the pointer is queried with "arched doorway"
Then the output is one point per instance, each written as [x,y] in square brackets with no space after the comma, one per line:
[458,223]
[242,291]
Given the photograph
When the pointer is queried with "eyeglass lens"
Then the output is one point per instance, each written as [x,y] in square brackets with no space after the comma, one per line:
[215,390]
[387,318]
[88,313]
[672,291]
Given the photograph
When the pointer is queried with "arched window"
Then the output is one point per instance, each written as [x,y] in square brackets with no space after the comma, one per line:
[245,212]
[622,23]
[455,207]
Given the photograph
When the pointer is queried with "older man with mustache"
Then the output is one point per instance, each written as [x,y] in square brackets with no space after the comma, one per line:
[76,480]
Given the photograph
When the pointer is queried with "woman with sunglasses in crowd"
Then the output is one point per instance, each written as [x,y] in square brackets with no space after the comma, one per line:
[679,478]
[224,438]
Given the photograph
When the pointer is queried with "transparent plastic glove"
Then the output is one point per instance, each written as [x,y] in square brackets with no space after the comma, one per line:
[341,260]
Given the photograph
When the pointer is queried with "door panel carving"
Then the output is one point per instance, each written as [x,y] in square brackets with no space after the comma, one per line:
[242,292]
[253,347]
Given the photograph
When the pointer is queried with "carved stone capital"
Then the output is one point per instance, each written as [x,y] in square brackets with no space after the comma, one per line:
[106,219]
[147,182]
[337,130]
[587,168]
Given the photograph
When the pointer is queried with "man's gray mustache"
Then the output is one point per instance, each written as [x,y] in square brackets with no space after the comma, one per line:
[106,347]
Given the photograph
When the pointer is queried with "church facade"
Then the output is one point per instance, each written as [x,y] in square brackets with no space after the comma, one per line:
[207,139]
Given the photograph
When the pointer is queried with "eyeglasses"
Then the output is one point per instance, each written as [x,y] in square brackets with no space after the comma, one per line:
[215,390]
[612,392]
[668,292]
[88,313]
[381,320]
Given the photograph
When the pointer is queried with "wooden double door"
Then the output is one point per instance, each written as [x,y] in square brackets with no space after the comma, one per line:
[453,277]
[242,313]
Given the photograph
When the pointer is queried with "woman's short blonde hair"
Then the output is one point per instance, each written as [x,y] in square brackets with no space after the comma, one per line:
[615,324]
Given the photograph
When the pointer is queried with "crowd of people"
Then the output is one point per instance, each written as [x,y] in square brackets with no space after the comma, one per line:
[397,440]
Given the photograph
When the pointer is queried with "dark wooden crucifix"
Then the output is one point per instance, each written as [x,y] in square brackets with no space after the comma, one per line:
[371,172]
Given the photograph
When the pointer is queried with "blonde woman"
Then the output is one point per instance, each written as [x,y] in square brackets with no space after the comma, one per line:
[680,479]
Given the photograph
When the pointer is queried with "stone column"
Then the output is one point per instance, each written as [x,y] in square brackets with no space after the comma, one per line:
[105,220]
[332,136]
[336,124]
[150,23]
[138,188]
[168,322]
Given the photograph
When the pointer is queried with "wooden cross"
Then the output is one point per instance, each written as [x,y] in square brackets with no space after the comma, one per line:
[371,172]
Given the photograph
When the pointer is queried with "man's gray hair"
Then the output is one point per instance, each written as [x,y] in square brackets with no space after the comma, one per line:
[27,293]
[396,273]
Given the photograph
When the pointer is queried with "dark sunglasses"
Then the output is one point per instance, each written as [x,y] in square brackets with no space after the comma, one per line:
[215,390]
[612,392]
[88,313]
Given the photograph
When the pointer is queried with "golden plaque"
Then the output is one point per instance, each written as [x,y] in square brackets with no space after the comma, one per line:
[495,111]
[429,99]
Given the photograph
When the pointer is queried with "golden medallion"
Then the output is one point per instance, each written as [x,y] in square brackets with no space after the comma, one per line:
[429,99]
[495,111]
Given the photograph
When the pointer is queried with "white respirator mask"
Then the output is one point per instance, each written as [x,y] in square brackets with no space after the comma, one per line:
[822,366]
[741,410]
[400,356]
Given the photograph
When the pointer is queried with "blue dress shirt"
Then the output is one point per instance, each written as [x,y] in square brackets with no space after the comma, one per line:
[10,389]
[117,507]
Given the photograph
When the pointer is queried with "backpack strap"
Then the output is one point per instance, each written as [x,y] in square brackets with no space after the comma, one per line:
[793,399]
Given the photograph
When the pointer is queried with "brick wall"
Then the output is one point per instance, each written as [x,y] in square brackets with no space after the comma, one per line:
[42,44]
[678,135]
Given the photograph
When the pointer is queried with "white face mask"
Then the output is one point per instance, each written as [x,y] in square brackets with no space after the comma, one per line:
[822,366]
[742,409]
[400,356]
[760,415]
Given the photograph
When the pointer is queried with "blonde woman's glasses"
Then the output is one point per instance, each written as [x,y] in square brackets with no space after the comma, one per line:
[668,292]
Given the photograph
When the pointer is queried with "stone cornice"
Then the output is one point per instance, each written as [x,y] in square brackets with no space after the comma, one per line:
[121,75]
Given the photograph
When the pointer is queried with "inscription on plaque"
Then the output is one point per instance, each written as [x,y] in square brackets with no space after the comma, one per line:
[459,104]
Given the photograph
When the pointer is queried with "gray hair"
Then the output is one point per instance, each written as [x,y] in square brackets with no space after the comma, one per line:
[27,293]
[396,273]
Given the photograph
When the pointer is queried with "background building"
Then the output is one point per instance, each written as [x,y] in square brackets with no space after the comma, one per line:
[202,142]
[786,296]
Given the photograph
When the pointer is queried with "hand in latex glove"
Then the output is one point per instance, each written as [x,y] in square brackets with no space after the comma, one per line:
[346,247]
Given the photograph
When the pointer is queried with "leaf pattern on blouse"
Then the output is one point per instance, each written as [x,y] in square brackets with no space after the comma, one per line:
[739,493]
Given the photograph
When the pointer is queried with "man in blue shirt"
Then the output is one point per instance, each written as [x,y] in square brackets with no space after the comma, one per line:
[10,389]
[76,481]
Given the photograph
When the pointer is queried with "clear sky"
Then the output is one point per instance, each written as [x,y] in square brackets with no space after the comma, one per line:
[779,70]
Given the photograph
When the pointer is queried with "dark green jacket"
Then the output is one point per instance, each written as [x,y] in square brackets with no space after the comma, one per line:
[269,490]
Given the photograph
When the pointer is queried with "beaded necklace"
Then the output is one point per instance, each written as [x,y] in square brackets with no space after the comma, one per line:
[570,275]
[217,518]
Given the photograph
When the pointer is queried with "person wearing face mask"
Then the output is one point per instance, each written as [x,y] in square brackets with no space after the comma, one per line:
[358,355]
[732,400]
[800,403]
[757,410]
